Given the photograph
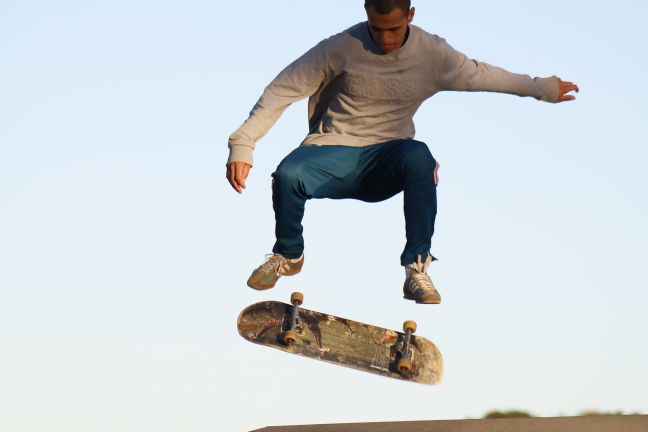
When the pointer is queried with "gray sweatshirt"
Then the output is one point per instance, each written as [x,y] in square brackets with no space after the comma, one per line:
[359,96]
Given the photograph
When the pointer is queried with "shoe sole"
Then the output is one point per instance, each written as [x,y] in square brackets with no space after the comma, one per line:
[431,301]
[259,287]
[267,287]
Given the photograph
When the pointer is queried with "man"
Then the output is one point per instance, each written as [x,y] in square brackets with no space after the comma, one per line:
[364,86]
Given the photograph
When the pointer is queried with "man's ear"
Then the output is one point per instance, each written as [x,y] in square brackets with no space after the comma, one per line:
[410,15]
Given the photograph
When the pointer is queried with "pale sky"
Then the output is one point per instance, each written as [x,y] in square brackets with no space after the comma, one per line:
[124,252]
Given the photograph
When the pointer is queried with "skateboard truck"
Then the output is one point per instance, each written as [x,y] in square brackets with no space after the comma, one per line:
[290,336]
[404,364]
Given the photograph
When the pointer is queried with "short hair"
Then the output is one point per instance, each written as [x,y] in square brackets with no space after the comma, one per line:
[384,7]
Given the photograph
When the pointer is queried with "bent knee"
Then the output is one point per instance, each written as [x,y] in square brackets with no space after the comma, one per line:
[289,172]
[417,156]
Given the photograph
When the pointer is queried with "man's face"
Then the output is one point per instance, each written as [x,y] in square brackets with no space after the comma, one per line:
[389,30]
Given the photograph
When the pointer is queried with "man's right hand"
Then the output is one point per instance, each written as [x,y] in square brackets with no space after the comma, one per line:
[237,172]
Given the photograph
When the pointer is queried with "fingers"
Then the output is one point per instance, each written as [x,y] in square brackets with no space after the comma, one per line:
[241,175]
[231,173]
[436,173]
[568,86]
[566,98]
[565,87]
[237,173]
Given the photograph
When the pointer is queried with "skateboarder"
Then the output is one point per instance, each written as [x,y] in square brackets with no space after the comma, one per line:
[364,86]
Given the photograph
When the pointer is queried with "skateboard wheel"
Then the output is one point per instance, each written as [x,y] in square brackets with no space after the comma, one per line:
[290,337]
[296,297]
[409,325]
[404,365]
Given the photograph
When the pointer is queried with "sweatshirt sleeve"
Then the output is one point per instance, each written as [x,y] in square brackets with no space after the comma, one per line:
[300,79]
[460,73]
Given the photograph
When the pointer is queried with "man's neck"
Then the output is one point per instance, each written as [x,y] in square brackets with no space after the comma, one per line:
[406,35]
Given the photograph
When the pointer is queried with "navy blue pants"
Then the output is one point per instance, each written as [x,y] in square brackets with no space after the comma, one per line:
[373,173]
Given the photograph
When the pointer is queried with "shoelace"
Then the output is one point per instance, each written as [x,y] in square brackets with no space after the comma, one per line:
[274,263]
[422,280]
[419,274]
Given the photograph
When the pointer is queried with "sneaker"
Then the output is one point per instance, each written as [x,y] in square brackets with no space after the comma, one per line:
[267,274]
[418,284]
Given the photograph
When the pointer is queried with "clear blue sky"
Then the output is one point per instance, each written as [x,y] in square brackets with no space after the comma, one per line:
[124,253]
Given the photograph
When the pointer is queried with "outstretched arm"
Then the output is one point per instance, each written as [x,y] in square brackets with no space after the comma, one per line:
[457,72]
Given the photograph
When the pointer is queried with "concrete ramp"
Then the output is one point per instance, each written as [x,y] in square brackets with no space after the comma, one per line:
[633,423]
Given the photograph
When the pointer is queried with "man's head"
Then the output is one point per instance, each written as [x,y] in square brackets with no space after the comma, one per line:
[388,21]
[385,6]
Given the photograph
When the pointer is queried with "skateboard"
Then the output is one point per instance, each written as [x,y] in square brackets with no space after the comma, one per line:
[289,328]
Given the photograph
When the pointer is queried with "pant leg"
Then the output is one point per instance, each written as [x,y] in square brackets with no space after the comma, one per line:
[308,172]
[404,165]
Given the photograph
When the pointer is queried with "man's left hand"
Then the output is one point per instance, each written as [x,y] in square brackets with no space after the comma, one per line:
[565,87]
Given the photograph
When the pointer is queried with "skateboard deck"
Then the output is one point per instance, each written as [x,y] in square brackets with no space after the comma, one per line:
[342,341]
